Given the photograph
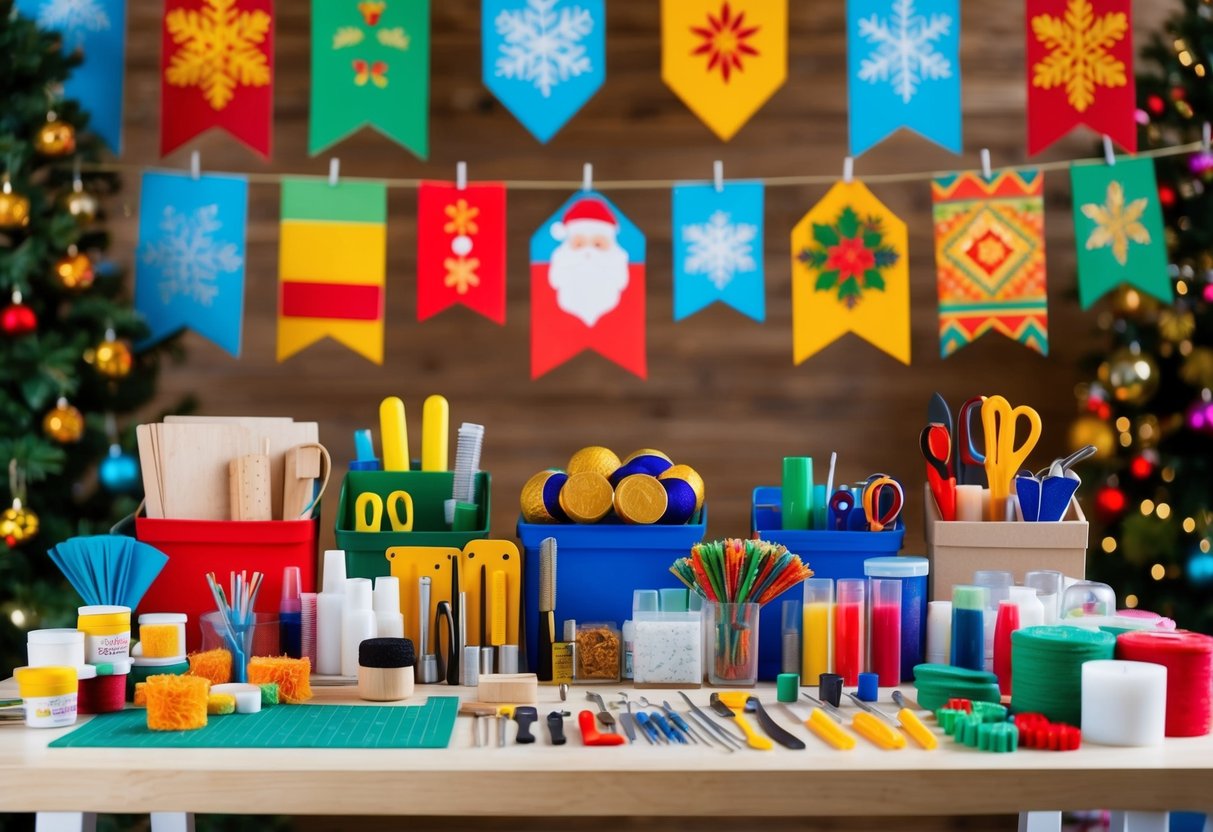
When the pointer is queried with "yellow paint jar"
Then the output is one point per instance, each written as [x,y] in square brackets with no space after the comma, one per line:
[48,695]
[107,632]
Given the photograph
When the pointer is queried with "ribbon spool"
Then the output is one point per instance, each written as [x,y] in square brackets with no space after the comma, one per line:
[1124,703]
[1048,669]
[1188,658]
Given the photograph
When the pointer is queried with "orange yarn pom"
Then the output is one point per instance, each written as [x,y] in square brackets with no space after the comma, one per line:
[159,641]
[291,675]
[176,703]
[214,665]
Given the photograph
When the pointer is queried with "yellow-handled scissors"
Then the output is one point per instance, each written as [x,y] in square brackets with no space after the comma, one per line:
[374,522]
[1004,458]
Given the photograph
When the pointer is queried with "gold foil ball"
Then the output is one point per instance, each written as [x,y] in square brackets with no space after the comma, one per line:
[587,497]
[594,459]
[17,524]
[640,499]
[63,423]
[1132,377]
[74,271]
[691,477]
[55,138]
[1197,369]
[1176,325]
[1089,429]
[533,508]
[82,205]
[14,207]
[112,359]
[645,452]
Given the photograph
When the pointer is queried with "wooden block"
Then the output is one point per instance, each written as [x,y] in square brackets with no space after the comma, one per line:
[304,464]
[508,688]
[249,483]
[149,465]
[194,468]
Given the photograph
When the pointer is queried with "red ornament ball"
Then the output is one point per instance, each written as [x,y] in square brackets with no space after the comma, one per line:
[1141,468]
[1156,104]
[1178,93]
[18,319]
[1110,502]
[1166,196]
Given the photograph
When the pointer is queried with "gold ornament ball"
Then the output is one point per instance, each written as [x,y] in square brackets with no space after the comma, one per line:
[64,423]
[55,138]
[594,459]
[17,524]
[1132,377]
[74,271]
[14,208]
[111,359]
[1175,325]
[82,205]
[1197,369]
[1089,429]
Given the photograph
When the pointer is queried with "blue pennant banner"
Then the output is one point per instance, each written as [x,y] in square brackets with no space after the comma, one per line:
[903,70]
[98,29]
[189,269]
[718,248]
[543,59]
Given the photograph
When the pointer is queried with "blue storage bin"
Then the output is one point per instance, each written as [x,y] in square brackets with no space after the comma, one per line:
[598,566]
[829,554]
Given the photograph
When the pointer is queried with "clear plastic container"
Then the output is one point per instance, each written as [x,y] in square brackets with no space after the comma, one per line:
[849,636]
[790,637]
[1048,584]
[599,652]
[1088,598]
[732,644]
[666,650]
[884,630]
[818,635]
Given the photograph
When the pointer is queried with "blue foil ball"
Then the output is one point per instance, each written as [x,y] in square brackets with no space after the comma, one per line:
[551,496]
[646,461]
[681,502]
[119,472]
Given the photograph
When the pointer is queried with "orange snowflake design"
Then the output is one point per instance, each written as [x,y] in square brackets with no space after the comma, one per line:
[462,218]
[725,40]
[461,273]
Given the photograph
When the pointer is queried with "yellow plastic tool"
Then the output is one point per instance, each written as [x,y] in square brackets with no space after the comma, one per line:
[497,608]
[828,730]
[435,429]
[394,434]
[374,521]
[877,731]
[408,563]
[917,730]
[735,701]
[498,556]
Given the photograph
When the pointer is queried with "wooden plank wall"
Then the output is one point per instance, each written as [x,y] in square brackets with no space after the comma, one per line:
[723,395]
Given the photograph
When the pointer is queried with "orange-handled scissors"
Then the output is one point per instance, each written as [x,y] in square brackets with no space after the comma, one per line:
[1004,458]
[873,495]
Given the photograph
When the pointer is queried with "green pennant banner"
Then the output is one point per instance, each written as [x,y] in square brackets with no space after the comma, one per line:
[1118,230]
[370,66]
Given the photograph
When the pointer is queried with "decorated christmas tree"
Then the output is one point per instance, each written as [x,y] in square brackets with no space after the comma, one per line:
[1150,410]
[70,379]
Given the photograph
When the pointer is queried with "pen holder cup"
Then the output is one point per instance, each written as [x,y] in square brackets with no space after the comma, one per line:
[259,638]
[196,547]
[598,567]
[829,554]
[364,551]
[957,549]
[732,635]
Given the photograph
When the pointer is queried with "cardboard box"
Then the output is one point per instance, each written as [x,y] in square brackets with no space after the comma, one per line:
[957,550]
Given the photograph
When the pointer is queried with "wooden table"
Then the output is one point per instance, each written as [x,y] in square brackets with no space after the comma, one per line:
[636,780]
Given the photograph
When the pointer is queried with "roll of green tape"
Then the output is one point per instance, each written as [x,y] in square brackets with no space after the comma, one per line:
[787,687]
[1047,669]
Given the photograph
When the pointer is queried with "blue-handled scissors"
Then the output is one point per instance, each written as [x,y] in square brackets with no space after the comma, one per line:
[883,499]
[842,504]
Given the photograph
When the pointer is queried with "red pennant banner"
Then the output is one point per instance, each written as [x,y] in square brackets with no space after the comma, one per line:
[1080,70]
[588,286]
[217,70]
[461,249]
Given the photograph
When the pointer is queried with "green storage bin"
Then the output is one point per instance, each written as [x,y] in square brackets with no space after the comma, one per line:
[430,489]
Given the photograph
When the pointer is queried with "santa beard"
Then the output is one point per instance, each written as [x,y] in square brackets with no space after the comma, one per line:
[588,281]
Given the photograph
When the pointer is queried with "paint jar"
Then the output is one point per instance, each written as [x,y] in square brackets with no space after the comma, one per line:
[968,626]
[912,572]
[818,637]
[142,668]
[598,652]
[161,635]
[849,639]
[105,692]
[107,632]
[48,695]
[884,630]
[733,644]
[60,647]
[666,649]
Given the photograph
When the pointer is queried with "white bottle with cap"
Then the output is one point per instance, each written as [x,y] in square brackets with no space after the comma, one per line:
[358,622]
[330,607]
[1031,610]
[389,623]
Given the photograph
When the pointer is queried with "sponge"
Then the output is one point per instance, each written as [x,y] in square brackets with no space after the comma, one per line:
[159,640]
[140,694]
[269,693]
[213,665]
[176,703]
[291,675]
[220,704]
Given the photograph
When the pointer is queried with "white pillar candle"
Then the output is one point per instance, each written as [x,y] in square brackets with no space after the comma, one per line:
[1124,703]
[939,632]
[358,622]
[969,503]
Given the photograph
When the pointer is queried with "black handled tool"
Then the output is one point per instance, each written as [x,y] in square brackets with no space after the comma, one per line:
[525,716]
[448,664]
[774,730]
[556,727]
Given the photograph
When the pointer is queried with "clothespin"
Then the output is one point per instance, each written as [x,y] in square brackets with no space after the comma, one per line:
[334,171]
[718,175]
[986,172]
[196,165]
[587,177]
[1109,152]
[848,169]
[461,176]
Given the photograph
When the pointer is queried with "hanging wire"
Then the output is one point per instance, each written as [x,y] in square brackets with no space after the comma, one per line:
[666,184]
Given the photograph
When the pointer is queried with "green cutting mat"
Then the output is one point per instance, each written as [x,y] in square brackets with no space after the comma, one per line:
[282,726]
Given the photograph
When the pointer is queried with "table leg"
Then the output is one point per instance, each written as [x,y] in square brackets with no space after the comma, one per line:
[1139,822]
[65,822]
[1040,822]
[172,822]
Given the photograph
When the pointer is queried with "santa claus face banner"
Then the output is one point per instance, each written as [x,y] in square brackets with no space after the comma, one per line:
[587,286]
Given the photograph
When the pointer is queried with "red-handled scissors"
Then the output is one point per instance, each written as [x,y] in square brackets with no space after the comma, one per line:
[936,443]
[874,495]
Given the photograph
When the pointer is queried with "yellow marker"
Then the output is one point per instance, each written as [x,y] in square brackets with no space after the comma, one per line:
[877,731]
[829,730]
[395,434]
[735,701]
[435,426]
[918,731]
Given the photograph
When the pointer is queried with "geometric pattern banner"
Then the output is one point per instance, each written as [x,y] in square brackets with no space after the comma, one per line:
[990,258]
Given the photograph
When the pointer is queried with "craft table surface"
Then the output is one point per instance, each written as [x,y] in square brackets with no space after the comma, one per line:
[637,780]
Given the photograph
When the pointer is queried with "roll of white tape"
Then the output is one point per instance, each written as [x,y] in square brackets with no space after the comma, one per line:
[248,697]
[1124,703]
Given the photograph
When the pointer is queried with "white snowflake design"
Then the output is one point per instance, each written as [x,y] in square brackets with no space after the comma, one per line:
[73,18]
[903,53]
[543,47]
[719,248]
[190,260]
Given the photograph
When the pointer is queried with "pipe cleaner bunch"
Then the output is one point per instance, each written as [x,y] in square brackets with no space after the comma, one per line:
[734,571]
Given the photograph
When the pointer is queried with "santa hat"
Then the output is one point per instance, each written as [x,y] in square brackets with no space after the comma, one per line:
[590,211]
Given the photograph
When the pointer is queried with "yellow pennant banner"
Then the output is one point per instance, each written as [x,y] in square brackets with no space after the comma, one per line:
[850,273]
[724,58]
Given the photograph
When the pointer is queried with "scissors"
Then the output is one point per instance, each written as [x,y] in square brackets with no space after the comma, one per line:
[969,462]
[936,443]
[374,523]
[1005,458]
[879,516]
[842,503]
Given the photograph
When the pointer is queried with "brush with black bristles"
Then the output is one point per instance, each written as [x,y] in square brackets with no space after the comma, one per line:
[547,607]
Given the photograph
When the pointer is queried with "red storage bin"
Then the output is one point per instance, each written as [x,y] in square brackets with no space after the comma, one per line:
[195,547]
